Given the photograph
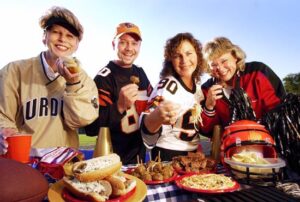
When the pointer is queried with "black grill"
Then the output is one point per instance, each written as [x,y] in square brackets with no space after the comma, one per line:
[259,194]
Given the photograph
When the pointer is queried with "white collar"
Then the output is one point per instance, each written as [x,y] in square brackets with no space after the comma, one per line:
[49,72]
[227,91]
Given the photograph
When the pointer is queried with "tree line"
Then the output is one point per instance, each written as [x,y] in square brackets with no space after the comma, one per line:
[292,83]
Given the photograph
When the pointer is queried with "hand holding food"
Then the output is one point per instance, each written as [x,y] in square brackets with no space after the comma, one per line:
[72,63]
[167,112]
[214,93]
[69,68]
[135,80]
[127,96]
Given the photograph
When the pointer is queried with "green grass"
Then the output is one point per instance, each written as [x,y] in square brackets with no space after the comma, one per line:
[85,140]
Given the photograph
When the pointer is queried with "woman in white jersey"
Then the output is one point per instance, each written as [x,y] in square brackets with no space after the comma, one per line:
[169,125]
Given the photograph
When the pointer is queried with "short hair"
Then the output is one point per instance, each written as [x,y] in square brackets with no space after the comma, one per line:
[170,49]
[63,17]
[221,45]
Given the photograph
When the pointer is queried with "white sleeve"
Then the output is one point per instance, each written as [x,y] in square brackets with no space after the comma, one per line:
[149,139]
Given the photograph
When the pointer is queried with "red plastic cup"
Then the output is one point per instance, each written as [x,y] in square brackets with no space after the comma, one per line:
[19,147]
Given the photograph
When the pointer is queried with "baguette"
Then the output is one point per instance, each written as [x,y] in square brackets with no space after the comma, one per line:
[95,191]
[120,184]
[97,168]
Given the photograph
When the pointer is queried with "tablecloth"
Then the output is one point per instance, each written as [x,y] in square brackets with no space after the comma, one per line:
[169,192]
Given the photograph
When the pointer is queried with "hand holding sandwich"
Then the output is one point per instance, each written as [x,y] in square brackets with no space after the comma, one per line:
[69,68]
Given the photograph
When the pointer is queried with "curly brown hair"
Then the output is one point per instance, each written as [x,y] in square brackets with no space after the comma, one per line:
[170,49]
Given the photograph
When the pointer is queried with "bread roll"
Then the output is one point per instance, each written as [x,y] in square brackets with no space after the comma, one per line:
[120,184]
[72,64]
[95,191]
[97,168]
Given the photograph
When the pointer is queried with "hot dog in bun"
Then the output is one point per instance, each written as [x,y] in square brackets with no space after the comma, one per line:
[97,168]
[120,184]
[95,191]
[98,179]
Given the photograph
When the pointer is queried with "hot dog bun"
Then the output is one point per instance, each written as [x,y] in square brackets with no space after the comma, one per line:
[120,184]
[97,168]
[95,191]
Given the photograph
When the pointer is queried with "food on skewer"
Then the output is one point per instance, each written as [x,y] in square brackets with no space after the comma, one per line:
[153,170]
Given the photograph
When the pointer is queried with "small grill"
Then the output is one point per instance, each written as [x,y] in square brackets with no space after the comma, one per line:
[259,194]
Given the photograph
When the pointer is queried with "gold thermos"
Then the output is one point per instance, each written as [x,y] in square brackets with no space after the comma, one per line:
[216,142]
[103,145]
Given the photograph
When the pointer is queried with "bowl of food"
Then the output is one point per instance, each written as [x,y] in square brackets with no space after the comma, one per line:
[252,166]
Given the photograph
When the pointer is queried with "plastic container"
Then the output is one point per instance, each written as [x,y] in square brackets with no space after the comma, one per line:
[258,174]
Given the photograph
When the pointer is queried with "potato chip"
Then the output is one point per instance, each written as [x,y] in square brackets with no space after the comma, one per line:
[249,157]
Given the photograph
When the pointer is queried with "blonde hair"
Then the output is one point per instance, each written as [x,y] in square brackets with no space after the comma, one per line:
[64,17]
[221,45]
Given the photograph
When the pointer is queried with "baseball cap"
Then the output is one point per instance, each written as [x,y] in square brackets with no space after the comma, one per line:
[127,27]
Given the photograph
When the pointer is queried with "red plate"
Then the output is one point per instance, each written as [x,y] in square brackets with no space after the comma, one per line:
[174,177]
[153,182]
[235,187]
[69,197]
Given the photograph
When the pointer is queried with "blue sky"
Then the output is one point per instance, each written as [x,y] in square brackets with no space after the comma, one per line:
[267,30]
